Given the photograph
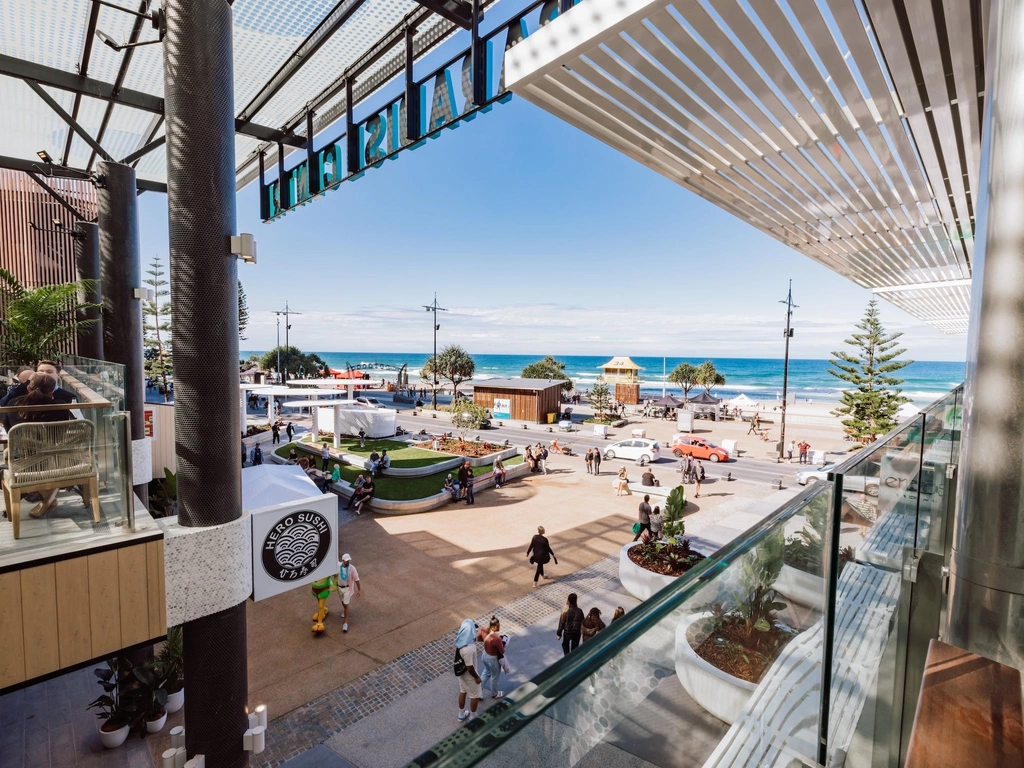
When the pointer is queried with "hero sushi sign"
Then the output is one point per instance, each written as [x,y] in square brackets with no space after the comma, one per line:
[294,529]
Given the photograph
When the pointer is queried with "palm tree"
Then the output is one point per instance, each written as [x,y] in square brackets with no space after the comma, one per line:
[40,323]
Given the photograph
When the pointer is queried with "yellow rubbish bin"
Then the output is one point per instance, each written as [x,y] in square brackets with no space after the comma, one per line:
[551,418]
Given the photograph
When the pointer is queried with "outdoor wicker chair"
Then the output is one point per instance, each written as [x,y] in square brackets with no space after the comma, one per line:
[42,456]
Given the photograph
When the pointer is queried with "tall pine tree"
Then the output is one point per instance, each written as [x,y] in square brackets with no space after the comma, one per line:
[869,407]
[157,326]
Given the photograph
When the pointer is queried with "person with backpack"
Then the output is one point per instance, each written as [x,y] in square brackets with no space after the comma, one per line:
[570,625]
[465,670]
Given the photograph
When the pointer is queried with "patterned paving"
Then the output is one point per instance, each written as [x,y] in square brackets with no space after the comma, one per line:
[311,724]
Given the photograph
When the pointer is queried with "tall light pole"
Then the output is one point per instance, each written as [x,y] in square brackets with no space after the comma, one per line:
[287,327]
[433,307]
[785,366]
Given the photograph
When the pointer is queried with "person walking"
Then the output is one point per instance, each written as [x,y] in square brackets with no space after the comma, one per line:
[657,523]
[244,454]
[490,662]
[755,424]
[348,583]
[464,473]
[597,461]
[275,432]
[469,484]
[465,670]
[541,555]
[589,458]
[698,477]
[644,516]
[362,438]
[257,455]
[290,431]
[325,456]
[570,625]
[591,625]
[542,458]
[499,472]
[790,450]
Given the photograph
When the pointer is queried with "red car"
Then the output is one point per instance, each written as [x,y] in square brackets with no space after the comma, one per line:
[698,447]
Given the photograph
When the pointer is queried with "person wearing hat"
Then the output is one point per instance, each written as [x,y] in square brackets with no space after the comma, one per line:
[348,581]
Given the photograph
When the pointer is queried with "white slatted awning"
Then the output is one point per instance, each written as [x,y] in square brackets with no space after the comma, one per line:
[786,114]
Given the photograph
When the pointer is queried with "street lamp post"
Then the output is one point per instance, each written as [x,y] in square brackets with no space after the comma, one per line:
[785,366]
[279,347]
[433,307]
[287,327]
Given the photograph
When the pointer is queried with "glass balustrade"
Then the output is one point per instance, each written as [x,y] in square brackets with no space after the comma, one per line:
[726,665]
[66,465]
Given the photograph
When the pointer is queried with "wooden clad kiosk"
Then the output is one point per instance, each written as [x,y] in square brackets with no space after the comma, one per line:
[625,375]
[520,399]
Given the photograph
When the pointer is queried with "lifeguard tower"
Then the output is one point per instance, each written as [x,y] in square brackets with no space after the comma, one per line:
[625,375]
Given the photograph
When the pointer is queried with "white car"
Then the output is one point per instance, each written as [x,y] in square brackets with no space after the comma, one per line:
[644,450]
[854,483]
[371,402]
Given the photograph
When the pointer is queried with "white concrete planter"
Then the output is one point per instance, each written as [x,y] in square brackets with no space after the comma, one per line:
[640,582]
[801,587]
[155,726]
[175,701]
[114,739]
[718,692]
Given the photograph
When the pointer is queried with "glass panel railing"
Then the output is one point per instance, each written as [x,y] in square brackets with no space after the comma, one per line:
[66,463]
[728,659]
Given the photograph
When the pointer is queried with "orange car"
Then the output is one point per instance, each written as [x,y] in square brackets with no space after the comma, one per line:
[698,447]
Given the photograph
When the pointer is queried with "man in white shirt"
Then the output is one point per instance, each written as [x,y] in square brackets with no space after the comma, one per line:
[348,582]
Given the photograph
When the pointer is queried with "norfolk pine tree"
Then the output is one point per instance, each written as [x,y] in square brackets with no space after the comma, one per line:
[868,409]
[157,325]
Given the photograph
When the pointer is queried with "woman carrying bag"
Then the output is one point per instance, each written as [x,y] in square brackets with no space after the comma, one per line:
[542,554]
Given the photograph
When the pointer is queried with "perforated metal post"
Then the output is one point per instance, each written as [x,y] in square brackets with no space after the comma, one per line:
[198,102]
[121,273]
[87,267]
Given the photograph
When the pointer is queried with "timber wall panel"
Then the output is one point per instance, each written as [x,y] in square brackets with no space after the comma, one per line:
[163,441]
[132,576]
[73,623]
[104,603]
[525,405]
[12,639]
[39,620]
[157,601]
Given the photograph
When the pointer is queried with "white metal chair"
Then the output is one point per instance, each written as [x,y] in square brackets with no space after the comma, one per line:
[42,456]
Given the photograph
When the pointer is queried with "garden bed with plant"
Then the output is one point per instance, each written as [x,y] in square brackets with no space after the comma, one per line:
[606,421]
[403,455]
[671,554]
[457,446]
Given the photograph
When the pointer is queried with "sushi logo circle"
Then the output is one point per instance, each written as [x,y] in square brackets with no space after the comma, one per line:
[296,545]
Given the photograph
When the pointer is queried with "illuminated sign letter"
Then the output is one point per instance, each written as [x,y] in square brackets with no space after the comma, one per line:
[442,110]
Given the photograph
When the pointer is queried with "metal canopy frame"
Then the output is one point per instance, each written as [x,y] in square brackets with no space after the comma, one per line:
[831,125]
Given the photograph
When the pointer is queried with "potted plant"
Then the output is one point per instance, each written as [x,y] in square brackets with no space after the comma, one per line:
[802,576]
[650,564]
[116,720]
[151,698]
[724,651]
[173,669]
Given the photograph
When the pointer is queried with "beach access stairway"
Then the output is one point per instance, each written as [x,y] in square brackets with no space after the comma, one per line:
[781,719]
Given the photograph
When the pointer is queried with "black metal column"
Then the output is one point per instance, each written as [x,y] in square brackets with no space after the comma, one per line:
[87,267]
[121,273]
[198,103]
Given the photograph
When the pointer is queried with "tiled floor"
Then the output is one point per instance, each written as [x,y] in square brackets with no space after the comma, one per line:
[48,726]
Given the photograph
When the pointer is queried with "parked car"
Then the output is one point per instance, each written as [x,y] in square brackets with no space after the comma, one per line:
[644,450]
[853,483]
[698,447]
[371,402]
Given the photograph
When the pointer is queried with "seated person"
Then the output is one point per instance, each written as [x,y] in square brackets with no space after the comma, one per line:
[648,478]
[364,495]
[374,462]
[293,456]
[384,463]
[21,377]
[452,487]
[46,367]
[356,487]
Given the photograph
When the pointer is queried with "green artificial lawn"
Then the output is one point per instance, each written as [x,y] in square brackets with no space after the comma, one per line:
[403,456]
[397,488]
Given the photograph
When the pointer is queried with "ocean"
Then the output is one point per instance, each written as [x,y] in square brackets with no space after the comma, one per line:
[759,379]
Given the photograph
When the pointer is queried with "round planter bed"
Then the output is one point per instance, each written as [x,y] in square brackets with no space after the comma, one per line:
[640,582]
[801,587]
[718,692]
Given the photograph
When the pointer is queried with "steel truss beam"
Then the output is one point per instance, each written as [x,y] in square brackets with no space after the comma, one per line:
[56,196]
[456,11]
[83,69]
[97,89]
[84,134]
[63,172]
[330,24]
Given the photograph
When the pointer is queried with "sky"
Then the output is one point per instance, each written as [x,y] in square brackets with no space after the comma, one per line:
[538,239]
